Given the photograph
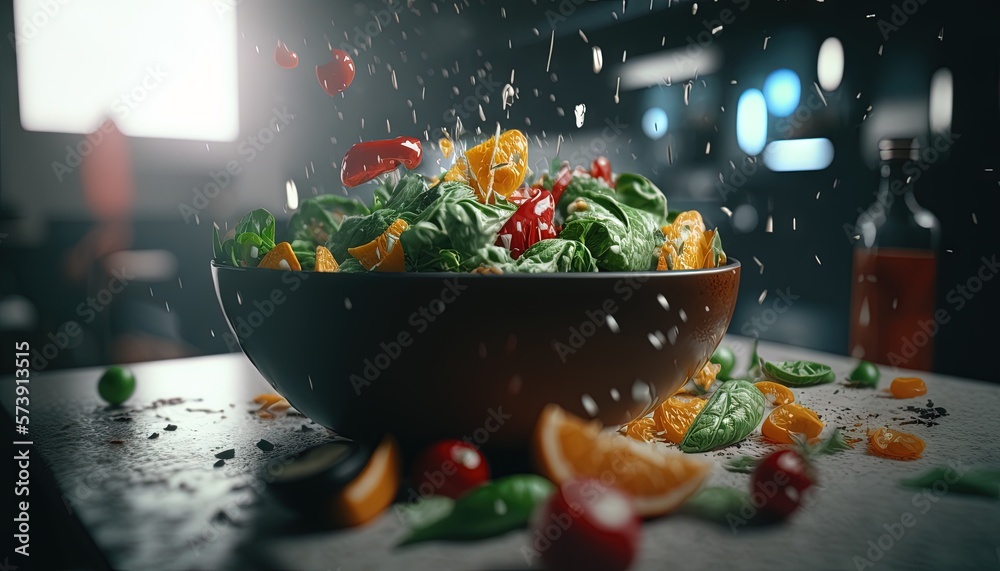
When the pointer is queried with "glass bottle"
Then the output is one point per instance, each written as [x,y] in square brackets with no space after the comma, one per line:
[894,270]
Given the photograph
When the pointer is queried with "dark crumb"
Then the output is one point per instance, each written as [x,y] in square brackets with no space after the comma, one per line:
[219,464]
[171,427]
[116,441]
[123,419]
[154,435]
[836,391]
[226,454]
[305,428]
[208,410]
[265,445]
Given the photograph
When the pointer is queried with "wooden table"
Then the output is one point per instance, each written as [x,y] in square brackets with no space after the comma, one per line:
[158,503]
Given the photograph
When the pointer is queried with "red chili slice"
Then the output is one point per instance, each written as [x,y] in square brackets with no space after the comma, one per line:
[367,160]
[530,223]
[563,178]
[601,168]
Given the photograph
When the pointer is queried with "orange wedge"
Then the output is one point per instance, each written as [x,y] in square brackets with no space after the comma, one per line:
[706,376]
[280,257]
[790,419]
[890,443]
[642,429]
[657,481]
[498,165]
[775,393]
[325,261]
[385,253]
[676,414]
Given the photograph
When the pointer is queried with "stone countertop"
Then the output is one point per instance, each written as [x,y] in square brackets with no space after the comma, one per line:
[160,503]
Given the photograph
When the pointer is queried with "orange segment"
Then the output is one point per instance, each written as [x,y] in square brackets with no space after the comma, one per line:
[790,419]
[642,429]
[446,146]
[907,387]
[657,481]
[498,166]
[688,245]
[890,443]
[325,261]
[776,394]
[676,414]
[706,376]
[372,491]
[385,253]
[280,257]
[458,171]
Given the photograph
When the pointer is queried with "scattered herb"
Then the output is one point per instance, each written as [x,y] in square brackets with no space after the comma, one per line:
[226,454]
[170,427]
[797,373]
[742,464]
[978,481]
[265,445]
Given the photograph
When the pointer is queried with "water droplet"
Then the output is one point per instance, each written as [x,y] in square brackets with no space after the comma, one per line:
[589,405]
[598,59]
[663,301]
[239,298]
[654,341]
[683,314]
[641,392]
[672,335]
[347,303]
[291,195]
[580,110]
[612,324]
[615,396]
[310,381]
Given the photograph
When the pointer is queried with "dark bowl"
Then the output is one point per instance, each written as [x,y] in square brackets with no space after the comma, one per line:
[427,355]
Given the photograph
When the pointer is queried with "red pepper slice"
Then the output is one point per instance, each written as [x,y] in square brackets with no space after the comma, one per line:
[530,223]
[601,168]
[336,75]
[367,160]
[563,178]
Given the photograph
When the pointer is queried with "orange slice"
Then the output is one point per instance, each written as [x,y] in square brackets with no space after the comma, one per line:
[706,376]
[675,415]
[280,257]
[890,443]
[642,429]
[657,481]
[498,166]
[385,253]
[325,261]
[446,146]
[908,387]
[373,490]
[790,419]
[775,393]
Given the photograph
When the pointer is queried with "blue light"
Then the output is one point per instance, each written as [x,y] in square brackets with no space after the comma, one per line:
[751,122]
[782,90]
[799,155]
[654,123]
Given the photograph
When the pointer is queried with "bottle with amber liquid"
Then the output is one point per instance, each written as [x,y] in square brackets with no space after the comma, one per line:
[894,270]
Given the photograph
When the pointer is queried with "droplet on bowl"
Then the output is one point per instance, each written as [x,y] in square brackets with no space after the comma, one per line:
[672,335]
[239,298]
[663,301]
[589,405]
[683,314]
[640,391]
[615,396]
[654,341]
[612,324]
[347,303]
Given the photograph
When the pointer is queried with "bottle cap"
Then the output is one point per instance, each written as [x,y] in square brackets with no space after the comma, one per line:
[899,148]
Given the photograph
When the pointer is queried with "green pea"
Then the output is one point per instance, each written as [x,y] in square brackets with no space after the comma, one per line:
[116,385]
[725,358]
[866,375]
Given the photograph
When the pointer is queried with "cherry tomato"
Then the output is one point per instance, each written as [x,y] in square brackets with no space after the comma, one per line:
[449,468]
[530,223]
[365,161]
[586,525]
[116,385]
[779,481]
[601,168]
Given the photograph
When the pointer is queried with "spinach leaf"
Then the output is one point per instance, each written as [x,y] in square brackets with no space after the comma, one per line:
[732,413]
[351,265]
[620,238]
[742,464]
[580,187]
[554,255]
[975,481]
[639,192]
[797,373]
[381,194]
[410,195]
[305,253]
[259,222]
[319,217]
[357,230]
[454,221]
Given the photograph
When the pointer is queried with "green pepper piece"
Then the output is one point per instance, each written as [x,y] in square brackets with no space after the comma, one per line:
[798,373]
[717,504]
[976,481]
[865,375]
[487,511]
[732,412]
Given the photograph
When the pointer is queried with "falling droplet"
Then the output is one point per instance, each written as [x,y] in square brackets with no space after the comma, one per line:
[291,195]
[285,57]
[654,341]
[663,301]
[760,299]
[589,405]
[598,59]
[580,110]
[615,396]
[239,298]
[683,314]
[347,303]
[507,97]
[612,324]
[865,317]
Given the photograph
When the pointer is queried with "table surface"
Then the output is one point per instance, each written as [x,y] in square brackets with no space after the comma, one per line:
[160,504]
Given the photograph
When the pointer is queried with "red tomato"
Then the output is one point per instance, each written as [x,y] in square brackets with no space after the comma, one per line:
[449,468]
[530,223]
[779,481]
[586,525]
[601,168]
[365,161]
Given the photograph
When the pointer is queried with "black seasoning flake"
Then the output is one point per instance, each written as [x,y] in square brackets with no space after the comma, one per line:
[123,419]
[116,441]
[305,428]
[171,427]
[265,445]
[219,464]
[154,435]
[226,454]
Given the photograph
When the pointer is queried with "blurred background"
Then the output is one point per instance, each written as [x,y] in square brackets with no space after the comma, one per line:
[130,127]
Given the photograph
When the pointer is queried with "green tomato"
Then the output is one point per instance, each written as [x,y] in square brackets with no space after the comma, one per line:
[725,358]
[865,375]
[116,385]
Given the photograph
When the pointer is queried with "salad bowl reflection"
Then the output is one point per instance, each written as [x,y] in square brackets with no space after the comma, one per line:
[456,355]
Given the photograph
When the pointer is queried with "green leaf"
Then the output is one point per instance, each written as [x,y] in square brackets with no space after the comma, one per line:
[742,464]
[554,255]
[798,373]
[730,415]
[305,253]
[357,230]
[835,443]
[976,481]
[639,192]
[249,248]
[489,510]
[620,238]
[259,222]
[580,187]
[410,195]
[717,252]
[717,504]
[319,217]
[351,265]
